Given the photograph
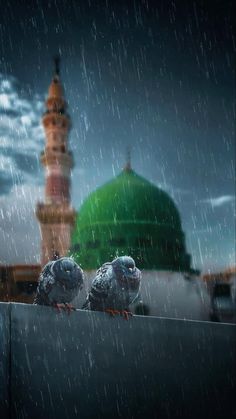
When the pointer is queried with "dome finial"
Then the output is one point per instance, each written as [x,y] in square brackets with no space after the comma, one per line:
[128,159]
[55,91]
[57,60]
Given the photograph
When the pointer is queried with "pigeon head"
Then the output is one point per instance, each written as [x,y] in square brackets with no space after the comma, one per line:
[126,272]
[67,273]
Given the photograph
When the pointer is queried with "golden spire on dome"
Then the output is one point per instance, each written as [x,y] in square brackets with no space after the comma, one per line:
[128,167]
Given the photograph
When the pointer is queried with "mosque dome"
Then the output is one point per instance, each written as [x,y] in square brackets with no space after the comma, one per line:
[130,215]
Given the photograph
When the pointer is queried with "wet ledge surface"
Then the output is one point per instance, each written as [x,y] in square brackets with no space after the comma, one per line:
[4,359]
[89,365]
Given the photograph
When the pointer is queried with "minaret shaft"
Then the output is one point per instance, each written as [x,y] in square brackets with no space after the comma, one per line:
[55,215]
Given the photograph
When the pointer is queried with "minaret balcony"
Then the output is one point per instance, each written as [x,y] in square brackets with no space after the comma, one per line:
[51,157]
[55,119]
[55,104]
[55,213]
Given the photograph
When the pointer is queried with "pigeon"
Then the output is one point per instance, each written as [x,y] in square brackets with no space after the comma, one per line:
[59,283]
[115,286]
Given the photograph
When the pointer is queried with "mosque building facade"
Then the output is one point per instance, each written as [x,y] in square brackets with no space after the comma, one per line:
[128,215]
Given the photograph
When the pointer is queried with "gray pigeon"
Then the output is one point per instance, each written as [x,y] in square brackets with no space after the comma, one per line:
[115,287]
[59,282]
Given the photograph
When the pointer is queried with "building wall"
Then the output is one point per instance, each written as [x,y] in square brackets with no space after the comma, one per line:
[166,294]
[18,282]
[163,294]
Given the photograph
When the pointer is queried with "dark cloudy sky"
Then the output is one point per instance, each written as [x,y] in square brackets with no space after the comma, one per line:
[155,75]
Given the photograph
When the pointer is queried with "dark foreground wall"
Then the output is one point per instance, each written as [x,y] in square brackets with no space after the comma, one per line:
[88,365]
[4,359]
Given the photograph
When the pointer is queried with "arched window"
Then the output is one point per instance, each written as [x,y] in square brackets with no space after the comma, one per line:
[3,274]
[143,242]
[119,242]
[93,244]
[26,287]
[167,246]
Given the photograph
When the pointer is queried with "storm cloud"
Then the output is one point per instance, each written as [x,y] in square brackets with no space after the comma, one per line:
[157,76]
[21,135]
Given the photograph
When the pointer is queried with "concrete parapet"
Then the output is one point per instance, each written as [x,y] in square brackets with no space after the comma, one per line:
[89,365]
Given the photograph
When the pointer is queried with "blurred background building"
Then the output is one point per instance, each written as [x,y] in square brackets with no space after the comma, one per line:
[128,215]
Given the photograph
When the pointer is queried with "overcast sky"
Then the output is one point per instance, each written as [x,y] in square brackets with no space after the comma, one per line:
[157,76]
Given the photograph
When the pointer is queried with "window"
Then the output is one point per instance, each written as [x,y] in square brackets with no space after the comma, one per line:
[221,290]
[3,274]
[27,287]
[179,246]
[117,242]
[167,246]
[93,244]
[143,242]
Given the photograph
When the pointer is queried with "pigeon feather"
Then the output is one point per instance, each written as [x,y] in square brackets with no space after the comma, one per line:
[59,282]
[115,286]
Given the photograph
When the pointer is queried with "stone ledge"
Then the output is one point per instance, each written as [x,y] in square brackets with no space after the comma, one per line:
[89,365]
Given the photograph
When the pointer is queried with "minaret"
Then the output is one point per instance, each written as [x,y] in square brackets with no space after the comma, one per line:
[56,216]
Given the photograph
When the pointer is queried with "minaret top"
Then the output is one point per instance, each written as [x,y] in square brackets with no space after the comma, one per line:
[128,167]
[55,100]
[57,66]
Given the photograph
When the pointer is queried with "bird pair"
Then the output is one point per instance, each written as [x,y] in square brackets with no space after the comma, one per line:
[115,286]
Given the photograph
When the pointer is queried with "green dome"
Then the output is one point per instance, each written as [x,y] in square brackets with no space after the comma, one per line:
[130,215]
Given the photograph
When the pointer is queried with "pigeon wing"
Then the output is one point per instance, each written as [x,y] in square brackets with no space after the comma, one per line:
[136,294]
[135,298]
[100,288]
[46,282]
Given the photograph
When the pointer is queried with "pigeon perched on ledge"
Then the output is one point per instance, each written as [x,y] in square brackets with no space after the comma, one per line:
[59,283]
[115,287]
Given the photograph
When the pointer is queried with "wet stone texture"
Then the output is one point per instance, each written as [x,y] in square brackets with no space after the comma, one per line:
[89,365]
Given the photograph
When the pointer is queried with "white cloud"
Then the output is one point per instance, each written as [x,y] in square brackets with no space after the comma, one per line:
[5,84]
[5,164]
[20,114]
[18,225]
[5,101]
[21,141]
[26,120]
[174,190]
[21,132]
[219,201]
